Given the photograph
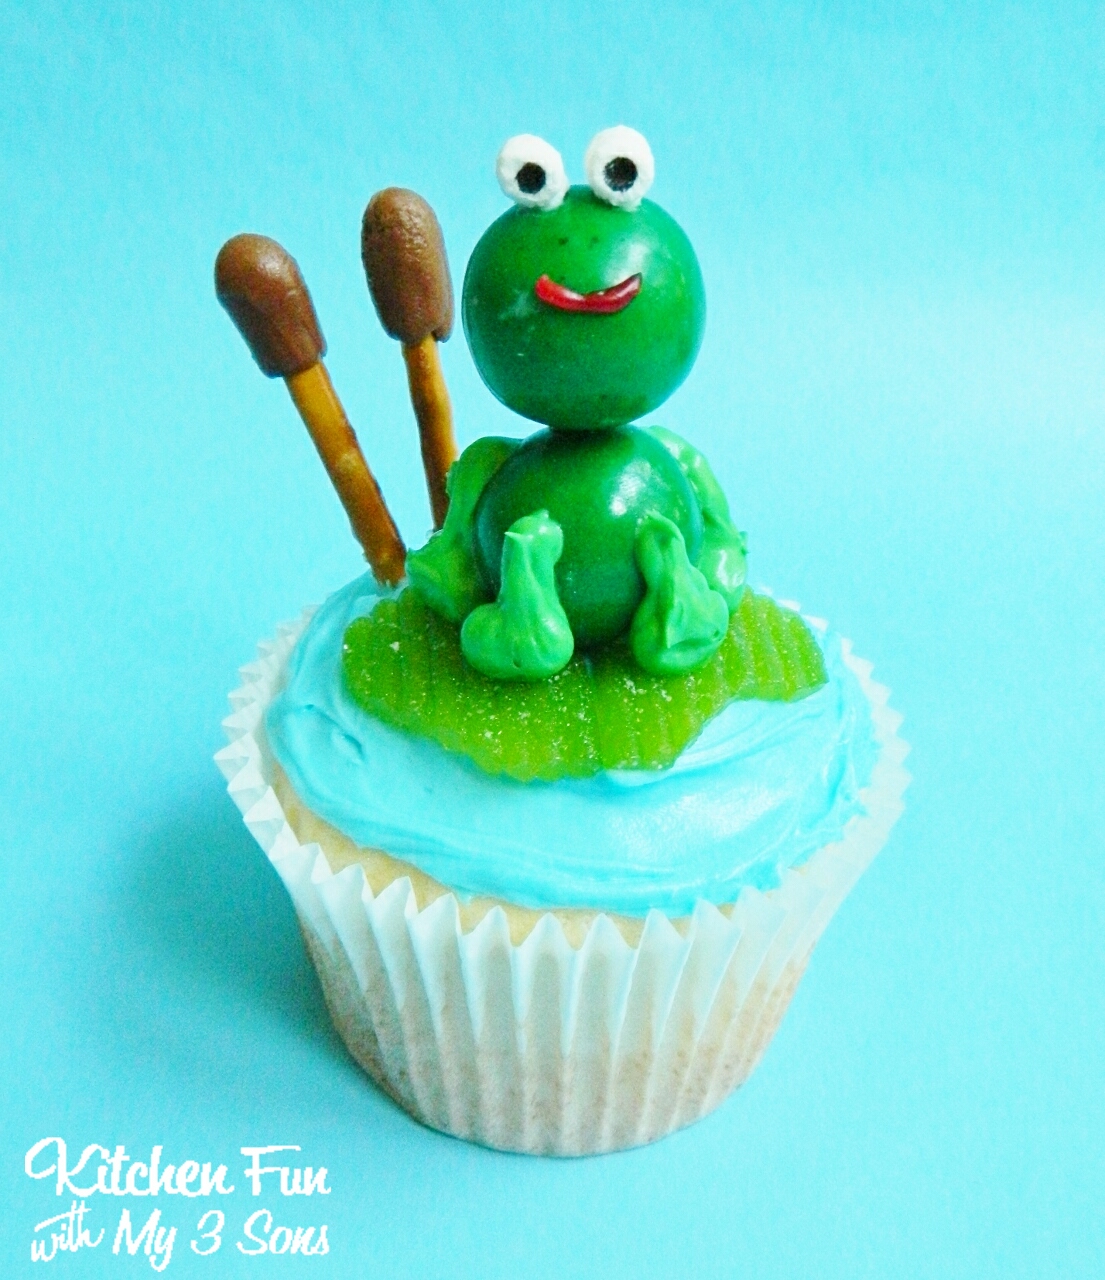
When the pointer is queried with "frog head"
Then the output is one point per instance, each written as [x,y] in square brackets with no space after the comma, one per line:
[583,305]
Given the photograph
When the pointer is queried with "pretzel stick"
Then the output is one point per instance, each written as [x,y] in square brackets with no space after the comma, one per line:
[261,288]
[408,277]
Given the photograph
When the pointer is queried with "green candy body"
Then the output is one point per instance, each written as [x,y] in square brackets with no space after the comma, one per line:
[598,487]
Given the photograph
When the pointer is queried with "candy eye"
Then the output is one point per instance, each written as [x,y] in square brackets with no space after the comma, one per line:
[531,172]
[619,166]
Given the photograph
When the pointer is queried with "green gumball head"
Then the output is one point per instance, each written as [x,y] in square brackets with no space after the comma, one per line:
[584,306]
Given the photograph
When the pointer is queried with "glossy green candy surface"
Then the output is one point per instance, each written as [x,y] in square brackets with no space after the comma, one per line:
[403,664]
[574,371]
[597,486]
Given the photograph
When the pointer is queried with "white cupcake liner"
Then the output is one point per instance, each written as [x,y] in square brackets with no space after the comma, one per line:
[542,1047]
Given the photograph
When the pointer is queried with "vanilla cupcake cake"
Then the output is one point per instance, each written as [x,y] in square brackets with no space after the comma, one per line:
[563,804]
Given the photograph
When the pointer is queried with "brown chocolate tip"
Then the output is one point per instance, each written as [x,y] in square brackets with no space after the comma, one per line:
[259,284]
[403,252]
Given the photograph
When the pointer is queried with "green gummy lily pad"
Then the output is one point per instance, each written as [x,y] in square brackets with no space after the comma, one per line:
[404,666]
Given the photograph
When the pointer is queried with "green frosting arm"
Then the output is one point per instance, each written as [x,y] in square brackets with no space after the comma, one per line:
[681,622]
[445,572]
[722,558]
[525,634]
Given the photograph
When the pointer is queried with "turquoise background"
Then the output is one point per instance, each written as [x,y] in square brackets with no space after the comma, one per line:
[898,210]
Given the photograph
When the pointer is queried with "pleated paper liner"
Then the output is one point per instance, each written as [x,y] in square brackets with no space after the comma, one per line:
[542,1047]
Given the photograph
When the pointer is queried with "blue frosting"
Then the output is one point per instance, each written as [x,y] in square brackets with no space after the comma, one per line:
[762,788]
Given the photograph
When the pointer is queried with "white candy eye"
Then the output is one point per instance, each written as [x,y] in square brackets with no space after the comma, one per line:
[619,166]
[531,172]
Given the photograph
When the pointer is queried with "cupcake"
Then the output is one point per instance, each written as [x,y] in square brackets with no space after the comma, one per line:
[563,805]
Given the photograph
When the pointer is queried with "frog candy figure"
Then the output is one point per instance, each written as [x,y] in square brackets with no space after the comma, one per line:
[582,604]
[584,309]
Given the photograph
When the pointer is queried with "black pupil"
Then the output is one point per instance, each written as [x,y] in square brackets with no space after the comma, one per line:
[620,173]
[530,178]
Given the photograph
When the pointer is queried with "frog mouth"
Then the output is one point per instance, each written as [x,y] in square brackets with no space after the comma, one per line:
[603,302]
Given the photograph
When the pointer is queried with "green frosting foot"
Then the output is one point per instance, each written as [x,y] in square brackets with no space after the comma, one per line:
[525,634]
[444,572]
[722,558]
[682,620]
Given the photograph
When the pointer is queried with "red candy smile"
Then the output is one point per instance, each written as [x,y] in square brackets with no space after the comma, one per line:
[603,302]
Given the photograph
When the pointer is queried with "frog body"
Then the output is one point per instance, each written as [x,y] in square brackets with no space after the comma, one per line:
[597,486]
[584,309]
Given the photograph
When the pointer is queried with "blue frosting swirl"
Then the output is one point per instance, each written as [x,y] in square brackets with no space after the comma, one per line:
[762,788]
